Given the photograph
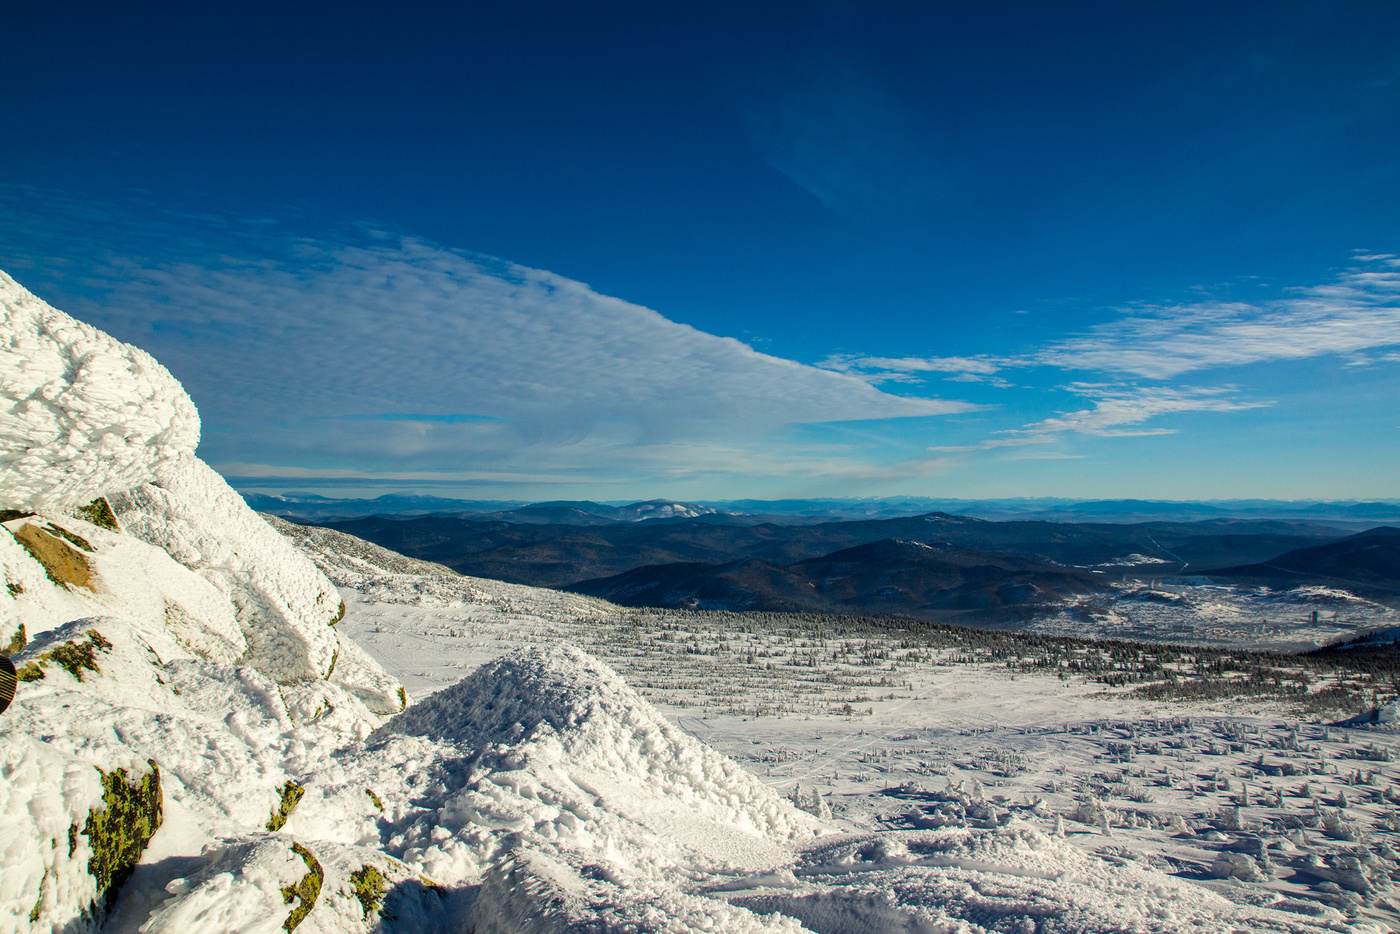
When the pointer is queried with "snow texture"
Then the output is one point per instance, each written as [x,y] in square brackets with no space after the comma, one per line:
[286,606]
[81,414]
[567,758]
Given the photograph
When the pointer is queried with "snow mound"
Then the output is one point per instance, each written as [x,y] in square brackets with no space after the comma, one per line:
[286,607]
[81,413]
[569,777]
[557,707]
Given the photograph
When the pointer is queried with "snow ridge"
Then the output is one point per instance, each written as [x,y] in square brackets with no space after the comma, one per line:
[286,607]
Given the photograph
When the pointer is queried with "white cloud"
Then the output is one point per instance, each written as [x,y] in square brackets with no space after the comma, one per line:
[911,369]
[1115,407]
[407,327]
[1357,312]
[1115,413]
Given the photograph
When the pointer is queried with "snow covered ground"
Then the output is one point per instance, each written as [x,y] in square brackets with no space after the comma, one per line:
[963,790]
[1197,611]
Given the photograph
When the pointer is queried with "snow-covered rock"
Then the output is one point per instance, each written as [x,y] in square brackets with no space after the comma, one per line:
[244,886]
[124,576]
[286,607]
[81,413]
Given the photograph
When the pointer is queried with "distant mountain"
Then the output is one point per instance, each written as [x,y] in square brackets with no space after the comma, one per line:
[553,555]
[310,506]
[590,513]
[1343,515]
[1370,558]
[886,577]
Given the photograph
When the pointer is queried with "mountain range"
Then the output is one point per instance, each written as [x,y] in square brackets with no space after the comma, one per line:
[1353,515]
[933,566]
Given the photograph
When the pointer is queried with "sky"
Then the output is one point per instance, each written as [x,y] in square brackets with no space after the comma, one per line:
[734,250]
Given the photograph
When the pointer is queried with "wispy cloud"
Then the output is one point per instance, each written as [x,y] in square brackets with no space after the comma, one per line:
[1357,312]
[390,354]
[1116,412]
[1116,407]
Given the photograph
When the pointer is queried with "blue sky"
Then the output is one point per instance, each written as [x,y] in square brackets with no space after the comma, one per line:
[539,251]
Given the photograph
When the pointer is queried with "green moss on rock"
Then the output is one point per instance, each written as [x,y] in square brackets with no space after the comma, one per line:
[307,889]
[368,885]
[29,672]
[375,798]
[291,794]
[73,538]
[18,641]
[99,513]
[403,699]
[118,831]
[77,657]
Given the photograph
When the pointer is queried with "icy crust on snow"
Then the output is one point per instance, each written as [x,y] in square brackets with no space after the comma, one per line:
[1012,878]
[81,413]
[286,607]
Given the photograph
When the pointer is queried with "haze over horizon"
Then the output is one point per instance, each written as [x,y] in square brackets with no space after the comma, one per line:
[797,251]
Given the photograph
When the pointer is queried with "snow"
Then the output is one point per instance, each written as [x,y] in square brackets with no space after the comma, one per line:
[81,414]
[1017,758]
[286,607]
[565,753]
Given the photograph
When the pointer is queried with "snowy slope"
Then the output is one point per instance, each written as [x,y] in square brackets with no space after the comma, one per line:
[1004,846]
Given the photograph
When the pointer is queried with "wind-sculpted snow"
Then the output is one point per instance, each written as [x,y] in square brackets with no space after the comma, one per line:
[81,414]
[286,606]
[1012,878]
[558,710]
[567,761]
[531,893]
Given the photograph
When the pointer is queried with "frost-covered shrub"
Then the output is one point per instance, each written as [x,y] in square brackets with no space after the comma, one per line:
[1236,866]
